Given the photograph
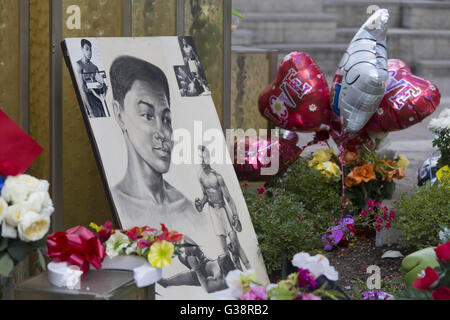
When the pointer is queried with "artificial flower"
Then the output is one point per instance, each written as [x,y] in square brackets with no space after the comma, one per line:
[318,265]
[320,157]
[306,279]
[17,189]
[442,293]
[403,162]
[255,293]
[104,231]
[160,254]
[116,243]
[398,173]
[3,209]
[234,280]
[33,226]
[13,215]
[329,168]
[443,252]
[310,296]
[424,283]
[359,175]
[131,249]
[170,236]
[375,295]
[350,157]
[8,231]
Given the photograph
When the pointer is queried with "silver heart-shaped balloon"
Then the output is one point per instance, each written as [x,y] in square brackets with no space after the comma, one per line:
[362,73]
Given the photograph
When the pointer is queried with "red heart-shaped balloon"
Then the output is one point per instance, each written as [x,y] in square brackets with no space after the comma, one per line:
[408,100]
[259,153]
[297,99]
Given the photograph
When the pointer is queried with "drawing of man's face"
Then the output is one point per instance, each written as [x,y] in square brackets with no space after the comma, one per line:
[147,121]
[87,51]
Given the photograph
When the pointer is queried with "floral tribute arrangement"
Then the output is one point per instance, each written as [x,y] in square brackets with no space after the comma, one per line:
[25,204]
[441,128]
[366,175]
[313,281]
[432,284]
[375,217]
[83,248]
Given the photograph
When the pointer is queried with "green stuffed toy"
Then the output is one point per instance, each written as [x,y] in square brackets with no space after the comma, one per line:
[416,262]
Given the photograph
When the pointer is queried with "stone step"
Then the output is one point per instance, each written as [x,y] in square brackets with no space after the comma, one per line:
[426,15]
[289,27]
[353,13]
[241,37]
[410,45]
[277,6]
[326,55]
[433,68]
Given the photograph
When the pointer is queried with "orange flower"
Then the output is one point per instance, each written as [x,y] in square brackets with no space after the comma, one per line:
[359,175]
[395,174]
[350,157]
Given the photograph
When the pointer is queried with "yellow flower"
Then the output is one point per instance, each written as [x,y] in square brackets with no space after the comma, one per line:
[403,162]
[320,157]
[95,227]
[160,254]
[443,175]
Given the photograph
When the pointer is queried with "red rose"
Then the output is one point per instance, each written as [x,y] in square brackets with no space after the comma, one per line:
[442,293]
[424,283]
[443,252]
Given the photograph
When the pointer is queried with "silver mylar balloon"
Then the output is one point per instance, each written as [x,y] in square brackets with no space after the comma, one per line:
[363,73]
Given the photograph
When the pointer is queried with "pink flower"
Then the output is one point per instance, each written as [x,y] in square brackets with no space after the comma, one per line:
[378,227]
[392,215]
[143,243]
[245,185]
[388,225]
[309,296]
[363,213]
[255,293]
[261,190]
[379,220]
[377,204]
[385,209]
[385,217]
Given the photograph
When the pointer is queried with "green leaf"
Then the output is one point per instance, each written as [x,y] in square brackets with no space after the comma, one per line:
[281,294]
[41,260]
[414,294]
[3,243]
[6,264]
[19,250]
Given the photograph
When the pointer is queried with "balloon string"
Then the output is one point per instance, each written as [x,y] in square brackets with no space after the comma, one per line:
[345,200]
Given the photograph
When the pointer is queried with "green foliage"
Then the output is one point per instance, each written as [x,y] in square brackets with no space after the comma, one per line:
[292,214]
[422,215]
[442,141]
[6,264]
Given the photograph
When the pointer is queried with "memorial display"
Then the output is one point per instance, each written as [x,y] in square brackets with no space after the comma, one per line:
[163,157]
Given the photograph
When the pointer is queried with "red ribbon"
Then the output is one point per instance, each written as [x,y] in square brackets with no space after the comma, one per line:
[77,246]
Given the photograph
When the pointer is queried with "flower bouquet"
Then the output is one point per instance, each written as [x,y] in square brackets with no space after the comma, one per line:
[79,249]
[368,176]
[441,128]
[313,281]
[25,211]
[432,284]
[375,218]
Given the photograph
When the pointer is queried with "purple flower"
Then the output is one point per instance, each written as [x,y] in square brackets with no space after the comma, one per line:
[255,293]
[375,295]
[306,279]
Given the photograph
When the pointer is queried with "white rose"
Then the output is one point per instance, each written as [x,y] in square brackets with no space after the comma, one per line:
[33,226]
[8,231]
[3,209]
[18,189]
[35,201]
[13,215]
